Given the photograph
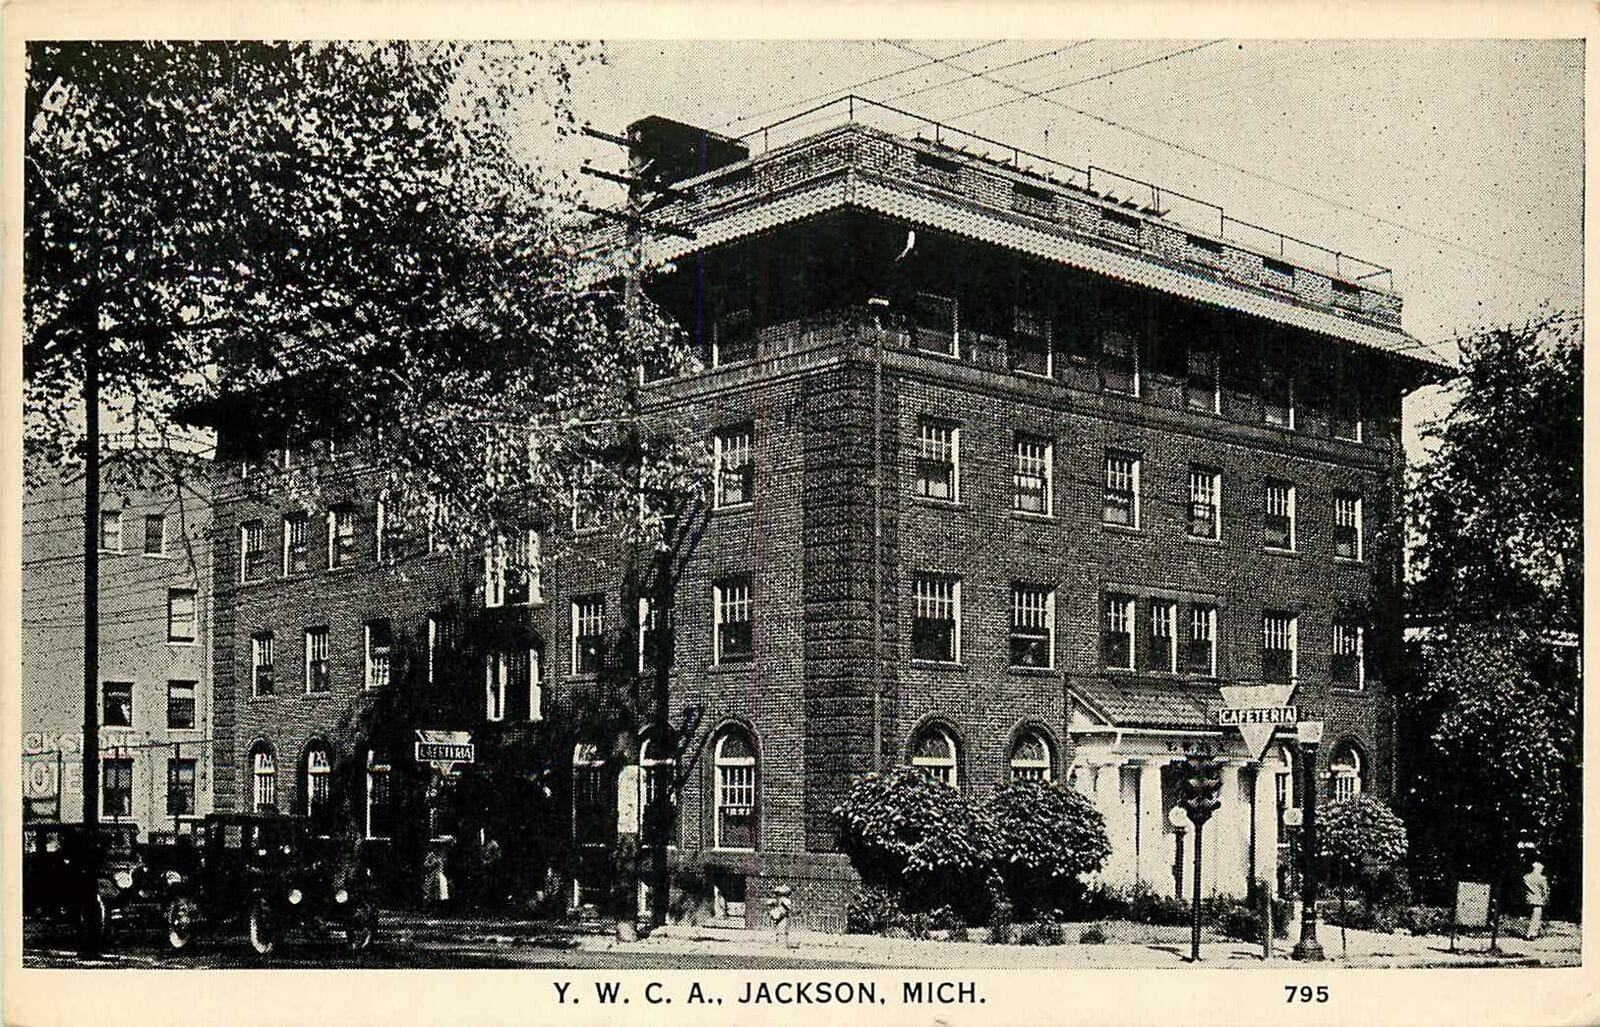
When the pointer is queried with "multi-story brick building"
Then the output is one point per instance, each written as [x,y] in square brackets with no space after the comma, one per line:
[155,673]
[1012,475]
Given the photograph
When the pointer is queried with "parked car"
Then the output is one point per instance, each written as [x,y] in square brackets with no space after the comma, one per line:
[132,881]
[268,874]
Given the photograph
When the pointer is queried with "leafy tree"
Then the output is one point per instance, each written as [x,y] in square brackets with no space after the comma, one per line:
[1044,837]
[1492,711]
[908,832]
[1363,841]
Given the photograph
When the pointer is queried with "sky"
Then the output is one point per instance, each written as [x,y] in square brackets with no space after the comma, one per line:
[1459,164]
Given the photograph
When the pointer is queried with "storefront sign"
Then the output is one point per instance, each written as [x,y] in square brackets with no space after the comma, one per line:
[444,749]
[1257,711]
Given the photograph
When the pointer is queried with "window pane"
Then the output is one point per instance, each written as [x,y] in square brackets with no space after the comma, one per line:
[935,619]
[933,323]
[937,461]
[116,698]
[155,534]
[180,704]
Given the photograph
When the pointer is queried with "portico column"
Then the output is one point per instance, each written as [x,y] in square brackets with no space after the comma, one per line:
[1108,799]
[1234,834]
[1267,823]
[1155,851]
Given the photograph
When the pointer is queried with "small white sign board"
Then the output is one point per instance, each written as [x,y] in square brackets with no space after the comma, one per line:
[1257,711]
[1472,904]
[628,799]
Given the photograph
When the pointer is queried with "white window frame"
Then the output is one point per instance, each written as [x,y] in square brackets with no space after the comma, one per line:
[302,521]
[945,770]
[262,644]
[339,516]
[193,620]
[1164,625]
[370,676]
[1202,627]
[1290,502]
[320,635]
[1120,615]
[263,779]
[163,519]
[724,768]
[496,669]
[375,766]
[1343,502]
[1018,312]
[1344,773]
[1205,487]
[582,616]
[727,600]
[380,525]
[113,518]
[1343,632]
[927,596]
[1034,465]
[931,447]
[319,775]
[730,442]
[259,529]
[1115,475]
[1025,609]
[193,688]
[1032,769]
[1290,629]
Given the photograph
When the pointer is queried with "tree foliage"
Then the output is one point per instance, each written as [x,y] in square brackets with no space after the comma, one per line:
[1361,835]
[1044,837]
[906,830]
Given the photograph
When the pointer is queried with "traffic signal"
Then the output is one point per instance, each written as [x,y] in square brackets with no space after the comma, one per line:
[1200,787]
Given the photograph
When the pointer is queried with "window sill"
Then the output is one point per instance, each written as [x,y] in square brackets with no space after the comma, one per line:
[1349,689]
[1275,551]
[1122,529]
[1029,515]
[270,697]
[1032,672]
[733,508]
[1203,540]
[935,501]
[953,665]
[583,675]
[1349,561]
[731,667]
[159,556]
[182,643]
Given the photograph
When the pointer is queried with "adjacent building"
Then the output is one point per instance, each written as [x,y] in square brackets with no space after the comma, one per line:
[155,658]
[1015,468]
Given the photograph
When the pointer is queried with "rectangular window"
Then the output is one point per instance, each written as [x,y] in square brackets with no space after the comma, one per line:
[182,624]
[318,676]
[939,461]
[155,534]
[733,636]
[735,482]
[378,649]
[1030,350]
[1205,503]
[1119,360]
[1031,480]
[111,531]
[1116,633]
[380,798]
[180,787]
[180,704]
[116,788]
[511,570]
[1203,388]
[1200,641]
[935,326]
[1122,490]
[295,553]
[1162,650]
[1349,654]
[341,537]
[936,623]
[319,770]
[735,337]
[588,634]
[586,510]
[654,636]
[116,703]
[1277,397]
[496,671]
[1347,527]
[1279,516]
[252,551]
[1033,626]
[263,679]
[1280,636]
[1345,415]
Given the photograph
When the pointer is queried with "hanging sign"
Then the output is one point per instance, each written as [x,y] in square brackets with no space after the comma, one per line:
[442,750]
[1257,711]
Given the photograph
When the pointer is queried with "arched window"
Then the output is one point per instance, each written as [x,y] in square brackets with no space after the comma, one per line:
[656,768]
[736,820]
[1032,757]
[319,770]
[380,797]
[264,767]
[1346,768]
[934,753]
[593,811]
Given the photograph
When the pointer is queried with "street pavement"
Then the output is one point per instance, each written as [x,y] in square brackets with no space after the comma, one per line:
[487,943]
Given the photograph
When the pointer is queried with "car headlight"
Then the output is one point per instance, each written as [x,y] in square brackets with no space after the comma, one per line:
[295,895]
[124,878]
[341,896]
[173,877]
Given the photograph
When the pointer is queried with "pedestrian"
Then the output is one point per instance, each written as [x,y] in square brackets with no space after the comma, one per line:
[1536,892]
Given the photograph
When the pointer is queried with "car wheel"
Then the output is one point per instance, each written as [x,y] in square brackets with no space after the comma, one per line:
[359,930]
[263,931]
[180,923]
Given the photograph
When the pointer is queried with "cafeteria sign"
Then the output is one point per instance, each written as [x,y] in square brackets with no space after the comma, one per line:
[442,750]
[1257,711]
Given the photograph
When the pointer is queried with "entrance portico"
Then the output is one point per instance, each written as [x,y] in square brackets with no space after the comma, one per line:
[1124,768]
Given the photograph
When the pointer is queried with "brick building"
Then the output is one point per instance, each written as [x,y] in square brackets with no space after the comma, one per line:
[1013,472]
[155,659]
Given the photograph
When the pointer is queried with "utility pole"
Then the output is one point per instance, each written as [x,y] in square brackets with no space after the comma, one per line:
[90,926]
[643,196]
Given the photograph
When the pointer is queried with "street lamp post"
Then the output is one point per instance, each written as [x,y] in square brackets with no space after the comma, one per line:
[1180,824]
[1308,735]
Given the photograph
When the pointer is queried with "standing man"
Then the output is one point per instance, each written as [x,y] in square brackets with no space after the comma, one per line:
[1536,892]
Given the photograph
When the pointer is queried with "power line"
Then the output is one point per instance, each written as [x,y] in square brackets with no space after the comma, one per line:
[986,71]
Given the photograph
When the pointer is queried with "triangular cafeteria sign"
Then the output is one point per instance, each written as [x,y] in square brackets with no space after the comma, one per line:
[1257,711]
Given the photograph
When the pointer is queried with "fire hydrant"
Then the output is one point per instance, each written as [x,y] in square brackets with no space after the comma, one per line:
[779,907]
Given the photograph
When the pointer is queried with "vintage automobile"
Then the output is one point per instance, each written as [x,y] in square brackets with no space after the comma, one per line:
[269,874]
[131,881]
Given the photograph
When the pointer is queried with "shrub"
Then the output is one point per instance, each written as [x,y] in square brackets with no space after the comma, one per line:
[1094,934]
[1045,836]
[905,831]
[1045,931]
[1426,919]
[1000,923]
[872,910]
[1233,919]
[959,933]
[945,918]
[1364,842]
[1144,906]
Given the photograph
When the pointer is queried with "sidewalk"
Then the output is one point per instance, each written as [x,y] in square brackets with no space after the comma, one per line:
[1560,946]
